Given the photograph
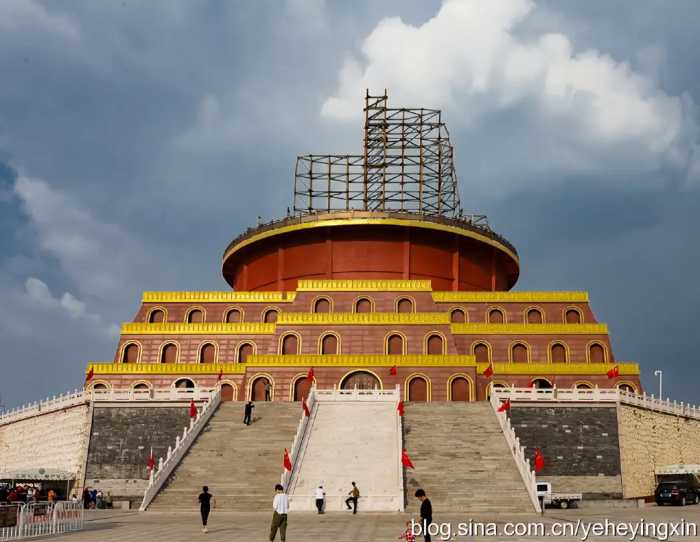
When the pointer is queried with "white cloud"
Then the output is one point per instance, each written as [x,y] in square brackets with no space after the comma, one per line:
[28,15]
[39,295]
[591,112]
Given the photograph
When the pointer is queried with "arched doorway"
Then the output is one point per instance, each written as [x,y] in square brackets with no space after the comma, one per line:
[322,305]
[257,390]
[195,316]
[394,345]
[541,384]
[226,392]
[157,316]
[459,389]
[184,384]
[362,380]
[558,353]
[270,316]
[404,306]
[290,344]
[131,353]
[596,353]
[418,389]
[233,316]
[457,316]
[329,344]
[363,305]
[207,354]
[434,345]
[169,354]
[573,316]
[244,350]
[301,388]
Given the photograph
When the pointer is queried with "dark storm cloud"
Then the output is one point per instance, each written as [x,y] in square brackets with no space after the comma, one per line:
[149,135]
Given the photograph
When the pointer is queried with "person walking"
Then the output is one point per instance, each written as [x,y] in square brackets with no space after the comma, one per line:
[280,507]
[354,495]
[248,412]
[205,504]
[426,513]
[320,498]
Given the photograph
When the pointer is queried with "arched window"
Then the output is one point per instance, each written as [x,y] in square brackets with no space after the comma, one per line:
[534,316]
[518,353]
[573,316]
[434,345]
[290,344]
[596,353]
[270,316]
[404,305]
[233,316]
[195,316]
[131,353]
[322,305]
[541,384]
[207,353]
[627,388]
[141,386]
[99,386]
[558,353]
[458,316]
[169,353]
[481,353]
[157,316]
[184,384]
[363,305]
[329,344]
[244,350]
[496,316]
[394,345]
[583,386]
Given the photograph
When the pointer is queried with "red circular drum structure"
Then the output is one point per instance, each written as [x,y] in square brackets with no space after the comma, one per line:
[454,254]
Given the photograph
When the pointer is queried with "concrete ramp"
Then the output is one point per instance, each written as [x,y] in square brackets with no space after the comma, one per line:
[350,440]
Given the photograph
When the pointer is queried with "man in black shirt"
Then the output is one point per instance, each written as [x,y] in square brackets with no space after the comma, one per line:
[248,412]
[426,513]
[205,507]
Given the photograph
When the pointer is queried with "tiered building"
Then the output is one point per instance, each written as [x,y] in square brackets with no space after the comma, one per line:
[377,279]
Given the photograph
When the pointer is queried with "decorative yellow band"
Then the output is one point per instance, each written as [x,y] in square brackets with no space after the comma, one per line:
[513,297]
[367,318]
[365,360]
[164,368]
[322,285]
[530,329]
[213,328]
[218,297]
[630,369]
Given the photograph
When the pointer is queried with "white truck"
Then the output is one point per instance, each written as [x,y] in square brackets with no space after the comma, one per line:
[560,500]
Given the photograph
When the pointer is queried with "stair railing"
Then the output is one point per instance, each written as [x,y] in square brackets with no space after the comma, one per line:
[518,451]
[287,476]
[50,404]
[165,467]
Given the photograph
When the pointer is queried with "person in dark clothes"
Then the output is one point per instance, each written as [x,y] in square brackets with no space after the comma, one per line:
[248,412]
[205,506]
[426,513]
[86,498]
[354,495]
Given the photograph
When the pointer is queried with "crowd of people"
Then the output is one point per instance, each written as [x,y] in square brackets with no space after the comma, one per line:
[94,499]
[26,493]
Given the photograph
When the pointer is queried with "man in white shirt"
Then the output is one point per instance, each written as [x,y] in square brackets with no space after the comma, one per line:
[320,497]
[280,505]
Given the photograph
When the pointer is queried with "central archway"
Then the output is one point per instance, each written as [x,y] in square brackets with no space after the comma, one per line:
[362,380]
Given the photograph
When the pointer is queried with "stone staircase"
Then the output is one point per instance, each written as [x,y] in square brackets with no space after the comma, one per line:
[240,464]
[461,460]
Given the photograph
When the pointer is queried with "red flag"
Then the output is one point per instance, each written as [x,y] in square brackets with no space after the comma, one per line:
[305,407]
[90,375]
[531,384]
[539,460]
[310,374]
[151,461]
[393,371]
[614,372]
[193,409]
[221,375]
[287,463]
[406,461]
[505,406]
[399,407]
[488,372]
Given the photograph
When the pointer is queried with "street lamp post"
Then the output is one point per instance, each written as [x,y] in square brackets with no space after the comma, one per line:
[660,374]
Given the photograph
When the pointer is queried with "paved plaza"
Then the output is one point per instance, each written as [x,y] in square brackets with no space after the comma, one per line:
[108,526]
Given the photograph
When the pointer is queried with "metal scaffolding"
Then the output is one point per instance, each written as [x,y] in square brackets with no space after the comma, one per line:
[407,165]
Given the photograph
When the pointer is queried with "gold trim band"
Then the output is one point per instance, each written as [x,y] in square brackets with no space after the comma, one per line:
[206,328]
[164,368]
[513,297]
[218,297]
[529,329]
[366,360]
[599,369]
[367,318]
[369,285]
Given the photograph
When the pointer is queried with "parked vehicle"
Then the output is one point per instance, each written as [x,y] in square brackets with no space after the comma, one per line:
[678,492]
[560,500]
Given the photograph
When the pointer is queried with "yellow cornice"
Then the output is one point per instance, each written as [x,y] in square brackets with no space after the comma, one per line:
[529,329]
[365,360]
[323,285]
[630,369]
[344,222]
[228,296]
[164,368]
[513,297]
[212,328]
[366,318]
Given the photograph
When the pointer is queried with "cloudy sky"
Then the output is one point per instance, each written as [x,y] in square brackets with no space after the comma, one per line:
[138,138]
